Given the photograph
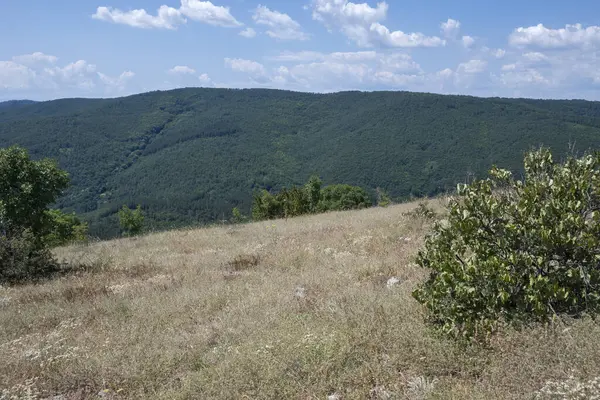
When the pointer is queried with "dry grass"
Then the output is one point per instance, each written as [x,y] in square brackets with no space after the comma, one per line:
[296,309]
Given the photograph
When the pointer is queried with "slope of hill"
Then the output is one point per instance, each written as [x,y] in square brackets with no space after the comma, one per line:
[296,309]
[190,155]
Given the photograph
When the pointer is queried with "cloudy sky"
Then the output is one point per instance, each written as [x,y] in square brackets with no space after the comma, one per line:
[107,48]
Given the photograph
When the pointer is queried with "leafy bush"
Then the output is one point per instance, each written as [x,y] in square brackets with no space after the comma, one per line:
[27,187]
[65,229]
[24,258]
[131,221]
[343,197]
[516,251]
[237,217]
[308,199]
[383,198]
[423,210]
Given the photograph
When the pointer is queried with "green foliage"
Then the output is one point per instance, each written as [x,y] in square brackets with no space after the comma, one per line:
[343,197]
[131,221]
[213,147]
[237,217]
[24,258]
[313,193]
[65,229]
[27,187]
[516,251]
[383,198]
[308,199]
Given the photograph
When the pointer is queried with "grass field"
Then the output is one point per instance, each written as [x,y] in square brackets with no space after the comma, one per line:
[287,309]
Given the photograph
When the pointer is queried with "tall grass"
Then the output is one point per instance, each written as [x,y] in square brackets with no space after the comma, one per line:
[286,309]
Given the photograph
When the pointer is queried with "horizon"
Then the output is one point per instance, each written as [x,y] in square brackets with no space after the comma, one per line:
[114,48]
[295,91]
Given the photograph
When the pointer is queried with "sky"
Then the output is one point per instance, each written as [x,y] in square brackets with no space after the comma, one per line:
[110,48]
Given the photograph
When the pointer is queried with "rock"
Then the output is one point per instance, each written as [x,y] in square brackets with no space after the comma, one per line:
[300,292]
[393,281]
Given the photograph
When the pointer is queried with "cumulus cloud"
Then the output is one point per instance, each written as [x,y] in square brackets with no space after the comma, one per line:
[207,12]
[450,28]
[182,69]
[241,65]
[361,23]
[468,41]
[248,33]
[473,67]
[166,17]
[281,26]
[35,58]
[39,72]
[169,17]
[569,36]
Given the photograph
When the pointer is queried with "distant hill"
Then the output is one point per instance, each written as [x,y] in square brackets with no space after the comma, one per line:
[15,103]
[190,155]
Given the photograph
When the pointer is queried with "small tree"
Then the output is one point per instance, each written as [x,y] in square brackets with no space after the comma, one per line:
[313,193]
[65,229]
[516,251]
[131,221]
[237,217]
[383,199]
[343,197]
[27,188]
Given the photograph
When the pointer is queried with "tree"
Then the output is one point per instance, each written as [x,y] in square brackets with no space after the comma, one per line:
[131,221]
[343,197]
[65,229]
[516,252]
[313,192]
[27,188]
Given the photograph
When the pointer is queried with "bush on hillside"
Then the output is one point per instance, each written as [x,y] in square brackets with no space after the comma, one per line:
[131,221]
[515,252]
[27,187]
[65,229]
[343,197]
[311,198]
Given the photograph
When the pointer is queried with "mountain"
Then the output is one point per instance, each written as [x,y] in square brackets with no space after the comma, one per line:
[15,103]
[190,155]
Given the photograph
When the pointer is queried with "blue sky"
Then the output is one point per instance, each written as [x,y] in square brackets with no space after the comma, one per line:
[108,48]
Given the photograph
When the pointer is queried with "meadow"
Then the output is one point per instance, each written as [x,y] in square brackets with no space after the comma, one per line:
[315,307]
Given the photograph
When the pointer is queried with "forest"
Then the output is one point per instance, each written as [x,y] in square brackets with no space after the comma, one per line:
[189,156]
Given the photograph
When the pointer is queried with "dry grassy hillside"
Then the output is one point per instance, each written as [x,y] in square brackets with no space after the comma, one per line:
[296,309]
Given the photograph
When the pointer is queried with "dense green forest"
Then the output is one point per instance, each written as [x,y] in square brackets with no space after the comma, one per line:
[189,156]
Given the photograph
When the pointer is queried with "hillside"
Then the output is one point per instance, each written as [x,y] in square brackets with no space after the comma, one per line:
[190,155]
[285,309]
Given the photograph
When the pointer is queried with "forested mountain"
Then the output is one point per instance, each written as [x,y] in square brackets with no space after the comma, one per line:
[190,155]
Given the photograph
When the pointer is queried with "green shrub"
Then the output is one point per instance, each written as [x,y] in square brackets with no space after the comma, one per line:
[343,197]
[423,210]
[27,187]
[516,251]
[65,229]
[266,206]
[383,198]
[237,217]
[131,221]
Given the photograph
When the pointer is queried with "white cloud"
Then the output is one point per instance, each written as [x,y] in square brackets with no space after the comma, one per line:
[248,33]
[182,69]
[207,12]
[361,23]
[281,25]
[468,41]
[450,28]
[15,76]
[535,57]
[569,36]
[37,57]
[240,65]
[166,17]
[472,67]
[73,79]
[205,79]
[498,53]
[169,17]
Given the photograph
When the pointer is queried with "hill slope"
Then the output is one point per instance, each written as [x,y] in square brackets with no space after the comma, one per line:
[190,155]
[295,309]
